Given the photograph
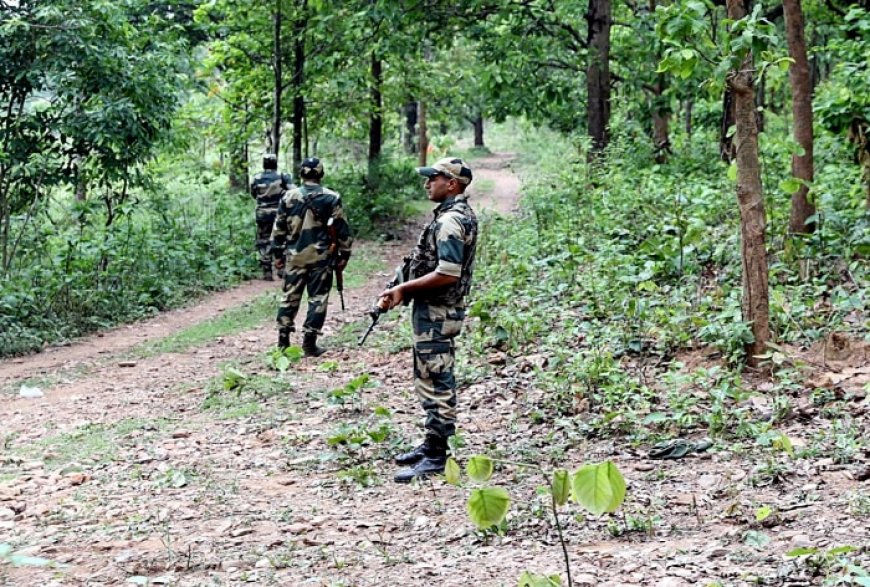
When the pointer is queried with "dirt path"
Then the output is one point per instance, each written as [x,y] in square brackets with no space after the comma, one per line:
[156,470]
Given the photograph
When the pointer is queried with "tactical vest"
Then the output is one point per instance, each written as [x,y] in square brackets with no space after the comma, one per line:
[424,258]
[268,187]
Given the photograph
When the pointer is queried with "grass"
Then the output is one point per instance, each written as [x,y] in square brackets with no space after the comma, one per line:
[232,321]
[96,441]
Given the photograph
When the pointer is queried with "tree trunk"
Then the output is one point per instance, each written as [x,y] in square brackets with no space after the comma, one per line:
[424,139]
[661,122]
[279,86]
[376,122]
[755,304]
[298,95]
[802,112]
[478,131]
[238,171]
[726,145]
[690,104]
[410,127]
[598,73]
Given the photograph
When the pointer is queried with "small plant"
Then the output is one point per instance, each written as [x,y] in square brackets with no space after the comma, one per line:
[598,488]
[349,392]
[833,564]
[281,359]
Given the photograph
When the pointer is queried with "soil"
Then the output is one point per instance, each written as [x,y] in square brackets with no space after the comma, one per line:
[144,468]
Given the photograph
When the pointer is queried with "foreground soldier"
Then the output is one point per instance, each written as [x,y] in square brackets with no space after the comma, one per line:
[267,188]
[301,245]
[439,278]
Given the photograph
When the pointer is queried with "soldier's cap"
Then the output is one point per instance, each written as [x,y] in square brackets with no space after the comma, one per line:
[452,167]
[311,166]
[270,160]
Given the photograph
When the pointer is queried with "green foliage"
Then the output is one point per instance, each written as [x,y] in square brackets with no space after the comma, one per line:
[528,579]
[598,488]
[488,506]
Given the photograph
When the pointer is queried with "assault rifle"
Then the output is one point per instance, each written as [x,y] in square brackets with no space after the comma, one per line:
[402,275]
[333,253]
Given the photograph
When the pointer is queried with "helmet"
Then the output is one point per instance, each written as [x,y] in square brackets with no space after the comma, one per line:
[270,161]
[311,168]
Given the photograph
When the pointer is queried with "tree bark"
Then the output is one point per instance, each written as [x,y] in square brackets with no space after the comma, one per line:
[753,223]
[478,131]
[298,90]
[376,121]
[410,127]
[276,68]
[802,112]
[423,137]
[598,73]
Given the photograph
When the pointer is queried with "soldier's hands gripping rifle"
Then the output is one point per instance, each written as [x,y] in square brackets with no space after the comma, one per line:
[336,262]
[379,308]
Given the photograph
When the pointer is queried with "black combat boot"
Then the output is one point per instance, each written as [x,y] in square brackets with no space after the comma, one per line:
[431,463]
[283,339]
[267,275]
[411,457]
[309,345]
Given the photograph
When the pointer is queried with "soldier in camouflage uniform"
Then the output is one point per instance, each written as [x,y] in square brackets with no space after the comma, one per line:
[439,278]
[267,189]
[301,246]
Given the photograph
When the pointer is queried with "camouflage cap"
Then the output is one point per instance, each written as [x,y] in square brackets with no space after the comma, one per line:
[311,167]
[451,167]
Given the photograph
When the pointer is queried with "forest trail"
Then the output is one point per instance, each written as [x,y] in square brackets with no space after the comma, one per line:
[141,464]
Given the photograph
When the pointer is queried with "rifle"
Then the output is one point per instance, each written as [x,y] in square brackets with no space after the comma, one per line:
[402,275]
[333,252]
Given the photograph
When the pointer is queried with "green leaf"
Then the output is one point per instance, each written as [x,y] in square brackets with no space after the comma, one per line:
[862,581]
[528,579]
[451,471]
[479,468]
[837,550]
[732,171]
[802,551]
[763,513]
[488,506]
[599,488]
[790,185]
[20,560]
[561,486]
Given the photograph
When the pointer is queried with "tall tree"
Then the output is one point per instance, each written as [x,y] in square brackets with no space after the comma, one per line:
[753,222]
[802,111]
[598,16]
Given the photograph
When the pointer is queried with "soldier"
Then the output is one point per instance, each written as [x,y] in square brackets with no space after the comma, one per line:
[439,278]
[267,189]
[301,245]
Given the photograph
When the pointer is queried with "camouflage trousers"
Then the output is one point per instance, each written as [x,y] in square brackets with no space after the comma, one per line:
[435,328]
[317,279]
[265,219]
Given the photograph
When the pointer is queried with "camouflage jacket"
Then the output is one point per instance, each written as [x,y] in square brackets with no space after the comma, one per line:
[268,187]
[300,232]
[447,245]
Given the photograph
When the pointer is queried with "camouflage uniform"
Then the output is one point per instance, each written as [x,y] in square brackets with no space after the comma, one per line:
[447,245]
[267,188]
[300,234]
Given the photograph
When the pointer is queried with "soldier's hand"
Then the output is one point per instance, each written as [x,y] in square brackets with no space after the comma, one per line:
[391,298]
[279,264]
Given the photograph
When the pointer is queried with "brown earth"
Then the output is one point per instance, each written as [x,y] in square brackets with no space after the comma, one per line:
[133,466]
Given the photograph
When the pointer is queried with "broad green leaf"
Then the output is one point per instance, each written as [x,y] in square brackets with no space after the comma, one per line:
[528,579]
[5,549]
[841,550]
[599,488]
[732,172]
[790,185]
[282,363]
[763,513]
[561,486]
[488,506]
[451,471]
[479,468]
